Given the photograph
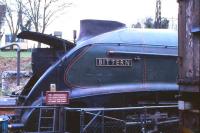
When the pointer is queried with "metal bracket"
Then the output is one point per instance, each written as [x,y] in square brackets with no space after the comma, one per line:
[182,105]
[195,30]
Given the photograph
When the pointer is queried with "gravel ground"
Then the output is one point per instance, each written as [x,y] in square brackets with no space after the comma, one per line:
[9,64]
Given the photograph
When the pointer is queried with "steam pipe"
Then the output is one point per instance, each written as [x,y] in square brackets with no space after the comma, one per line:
[18,60]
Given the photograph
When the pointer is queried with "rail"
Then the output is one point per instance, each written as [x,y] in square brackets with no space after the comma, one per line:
[101,115]
[27,107]
[118,109]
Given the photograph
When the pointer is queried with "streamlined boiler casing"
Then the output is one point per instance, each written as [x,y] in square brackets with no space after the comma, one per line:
[115,67]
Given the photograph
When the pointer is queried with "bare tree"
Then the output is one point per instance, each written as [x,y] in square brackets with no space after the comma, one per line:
[43,12]
[149,23]
[164,23]
[137,25]
[2,18]
[13,16]
[35,13]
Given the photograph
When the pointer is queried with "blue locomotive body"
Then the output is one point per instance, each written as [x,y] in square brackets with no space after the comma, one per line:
[111,67]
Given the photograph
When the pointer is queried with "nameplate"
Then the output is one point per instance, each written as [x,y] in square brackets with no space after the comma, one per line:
[112,62]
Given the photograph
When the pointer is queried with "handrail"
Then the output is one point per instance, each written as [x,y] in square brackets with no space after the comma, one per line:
[90,109]
[27,107]
[120,108]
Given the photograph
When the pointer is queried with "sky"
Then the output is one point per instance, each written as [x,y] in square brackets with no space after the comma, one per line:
[126,11]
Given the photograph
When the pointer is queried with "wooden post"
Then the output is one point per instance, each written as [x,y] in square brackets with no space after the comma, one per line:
[189,65]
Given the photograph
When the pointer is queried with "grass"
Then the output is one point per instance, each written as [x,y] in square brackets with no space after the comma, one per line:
[13,54]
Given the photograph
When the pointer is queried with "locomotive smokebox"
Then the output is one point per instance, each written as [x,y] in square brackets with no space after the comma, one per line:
[43,58]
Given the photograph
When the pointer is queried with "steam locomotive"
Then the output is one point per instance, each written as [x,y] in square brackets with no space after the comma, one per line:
[109,65]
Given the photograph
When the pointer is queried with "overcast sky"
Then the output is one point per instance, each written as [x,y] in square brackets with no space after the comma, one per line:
[126,11]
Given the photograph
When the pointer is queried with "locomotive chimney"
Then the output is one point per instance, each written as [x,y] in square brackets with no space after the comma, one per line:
[90,28]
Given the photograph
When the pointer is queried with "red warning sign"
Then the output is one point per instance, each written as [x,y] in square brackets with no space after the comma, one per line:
[57,97]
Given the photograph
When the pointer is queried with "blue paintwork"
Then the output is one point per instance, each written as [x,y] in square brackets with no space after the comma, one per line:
[156,37]
[155,45]
[151,46]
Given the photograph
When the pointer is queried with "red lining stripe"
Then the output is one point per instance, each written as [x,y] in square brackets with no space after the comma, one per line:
[72,62]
